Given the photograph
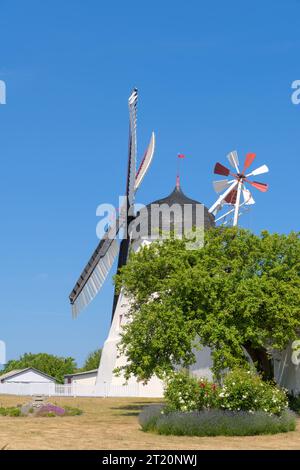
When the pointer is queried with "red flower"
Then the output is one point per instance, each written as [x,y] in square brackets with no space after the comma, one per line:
[202,385]
[214,386]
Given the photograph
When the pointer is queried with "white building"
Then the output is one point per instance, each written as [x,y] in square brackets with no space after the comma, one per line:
[30,375]
[82,378]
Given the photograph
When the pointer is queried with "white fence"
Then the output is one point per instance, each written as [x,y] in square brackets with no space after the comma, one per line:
[49,389]
[70,390]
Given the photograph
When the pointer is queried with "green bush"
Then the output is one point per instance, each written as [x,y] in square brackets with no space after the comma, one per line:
[149,416]
[10,411]
[245,390]
[14,412]
[214,422]
[3,411]
[242,390]
[184,392]
[72,411]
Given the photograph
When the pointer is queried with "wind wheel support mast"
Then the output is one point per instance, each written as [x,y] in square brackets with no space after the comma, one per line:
[101,261]
[233,189]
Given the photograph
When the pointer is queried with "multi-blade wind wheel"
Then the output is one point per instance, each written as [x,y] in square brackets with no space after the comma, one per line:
[232,189]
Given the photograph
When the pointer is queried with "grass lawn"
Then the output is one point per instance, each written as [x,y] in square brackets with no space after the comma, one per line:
[112,423]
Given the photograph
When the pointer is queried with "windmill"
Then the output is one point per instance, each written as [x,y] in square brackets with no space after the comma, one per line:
[234,190]
[101,261]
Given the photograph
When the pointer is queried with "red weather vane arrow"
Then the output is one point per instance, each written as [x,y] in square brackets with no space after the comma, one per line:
[179,156]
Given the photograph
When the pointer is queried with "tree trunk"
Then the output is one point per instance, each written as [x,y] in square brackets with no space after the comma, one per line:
[261,360]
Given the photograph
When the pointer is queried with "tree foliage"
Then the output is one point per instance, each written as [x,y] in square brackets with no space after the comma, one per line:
[92,361]
[52,365]
[239,291]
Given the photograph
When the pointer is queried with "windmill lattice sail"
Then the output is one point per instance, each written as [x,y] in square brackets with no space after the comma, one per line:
[102,260]
[96,271]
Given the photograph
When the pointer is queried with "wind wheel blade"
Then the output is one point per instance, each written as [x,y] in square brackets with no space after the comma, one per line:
[259,171]
[217,206]
[145,162]
[221,170]
[221,185]
[231,197]
[250,157]
[263,187]
[234,160]
[248,199]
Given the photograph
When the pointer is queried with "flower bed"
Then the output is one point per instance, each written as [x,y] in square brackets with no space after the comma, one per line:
[214,422]
[243,405]
[40,410]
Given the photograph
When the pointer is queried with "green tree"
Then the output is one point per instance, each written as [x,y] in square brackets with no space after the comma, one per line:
[52,365]
[240,291]
[92,361]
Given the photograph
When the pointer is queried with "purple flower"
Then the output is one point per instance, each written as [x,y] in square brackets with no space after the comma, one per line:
[48,408]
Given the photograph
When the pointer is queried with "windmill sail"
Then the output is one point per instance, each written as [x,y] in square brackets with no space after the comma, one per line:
[100,263]
[96,271]
[131,171]
[143,168]
[130,187]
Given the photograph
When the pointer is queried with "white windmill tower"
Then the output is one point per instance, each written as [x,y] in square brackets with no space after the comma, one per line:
[234,190]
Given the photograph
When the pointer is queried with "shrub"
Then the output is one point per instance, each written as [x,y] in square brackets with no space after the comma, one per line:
[10,411]
[72,411]
[245,390]
[215,422]
[149,416]
[184,392]
[294,403]
[14,412]
[3,411]
[242,390]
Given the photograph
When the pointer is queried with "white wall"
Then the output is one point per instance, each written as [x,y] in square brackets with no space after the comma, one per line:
[28,376]
[86,379]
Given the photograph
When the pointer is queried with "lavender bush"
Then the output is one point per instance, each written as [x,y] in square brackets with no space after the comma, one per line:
[49,408]
[215,422]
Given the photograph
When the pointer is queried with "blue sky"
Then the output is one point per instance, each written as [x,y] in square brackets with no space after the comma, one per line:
[212,77]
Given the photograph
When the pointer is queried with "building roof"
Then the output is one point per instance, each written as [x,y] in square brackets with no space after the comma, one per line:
[82,373]
[15,372]
[10,374]
[189,215]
